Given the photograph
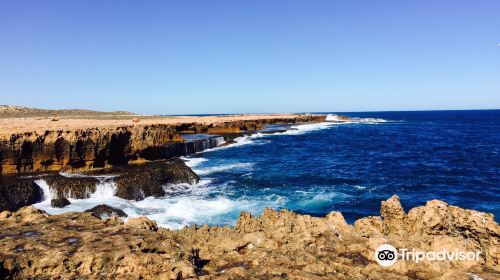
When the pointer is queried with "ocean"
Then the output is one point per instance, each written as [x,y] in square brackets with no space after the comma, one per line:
[333,166]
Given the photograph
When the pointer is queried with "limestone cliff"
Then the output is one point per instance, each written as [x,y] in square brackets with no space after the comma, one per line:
[100,147]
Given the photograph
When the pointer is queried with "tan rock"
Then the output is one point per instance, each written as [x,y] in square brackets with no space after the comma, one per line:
[142,223]
[393,216]
[369,226]
[274,245]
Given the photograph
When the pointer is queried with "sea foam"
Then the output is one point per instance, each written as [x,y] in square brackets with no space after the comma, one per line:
[337,119]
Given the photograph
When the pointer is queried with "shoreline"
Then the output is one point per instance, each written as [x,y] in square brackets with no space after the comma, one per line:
[143,156]
[275,245]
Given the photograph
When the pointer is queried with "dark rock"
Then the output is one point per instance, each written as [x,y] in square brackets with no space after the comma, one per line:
[134,182]
[193,146]
[104,211]
[140,181]
[75,187]
[59,202]
[17,192]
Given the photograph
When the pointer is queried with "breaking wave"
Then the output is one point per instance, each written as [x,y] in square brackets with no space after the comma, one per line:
[340,119]
[222,168]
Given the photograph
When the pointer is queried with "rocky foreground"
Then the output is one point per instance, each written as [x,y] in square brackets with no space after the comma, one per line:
[276,245]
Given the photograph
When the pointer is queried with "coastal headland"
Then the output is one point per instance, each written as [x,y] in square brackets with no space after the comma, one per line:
[73,153]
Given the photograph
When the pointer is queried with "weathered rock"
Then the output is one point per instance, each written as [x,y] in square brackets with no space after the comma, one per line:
[60,202]
[142,223]
[193,146]
[17,192]
[149,179]
[86,149]
[134,182]
[369,226]
[104,211]
[275,245]
[79,187]
[79,150]
[393,215]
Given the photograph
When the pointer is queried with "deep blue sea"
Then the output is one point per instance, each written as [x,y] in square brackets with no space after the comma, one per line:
[349,167]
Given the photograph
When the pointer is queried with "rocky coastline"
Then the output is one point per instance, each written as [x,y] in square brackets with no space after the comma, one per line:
[277,245]
[141,159]
[102,147]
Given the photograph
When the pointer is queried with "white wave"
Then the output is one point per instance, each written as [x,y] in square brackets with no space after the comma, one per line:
[104,190]
[245,140]
[78,175]
[359,187]
[334,118]
[340,119]
[175,189]
[48,194]
[320,200]
[73,175]
[223,167]
[193,162]
[371,120]
[196,206]
[305,128]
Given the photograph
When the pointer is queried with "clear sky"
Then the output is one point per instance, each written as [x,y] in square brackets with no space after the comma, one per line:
[180,57]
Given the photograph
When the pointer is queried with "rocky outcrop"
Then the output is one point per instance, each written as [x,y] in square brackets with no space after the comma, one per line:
[86,149]
[151,179]
[104,211]
[134,182]
[18,192]
[276,245]
[71,187]
[59,202]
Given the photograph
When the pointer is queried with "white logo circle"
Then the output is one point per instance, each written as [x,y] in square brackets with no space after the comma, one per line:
[386,255]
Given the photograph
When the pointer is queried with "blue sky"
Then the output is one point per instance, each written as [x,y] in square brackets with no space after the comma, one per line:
[180,57]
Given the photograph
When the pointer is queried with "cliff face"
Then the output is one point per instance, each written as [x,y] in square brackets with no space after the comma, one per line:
[80,149]
[85,149]
[276,245]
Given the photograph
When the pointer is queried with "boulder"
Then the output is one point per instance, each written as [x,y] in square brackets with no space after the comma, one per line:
[104,211]
[59,202]
[17,192]
[140,181]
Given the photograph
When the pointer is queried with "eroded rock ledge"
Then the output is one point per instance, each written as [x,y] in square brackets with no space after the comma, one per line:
[134,182]
[276,245]
[101,147]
